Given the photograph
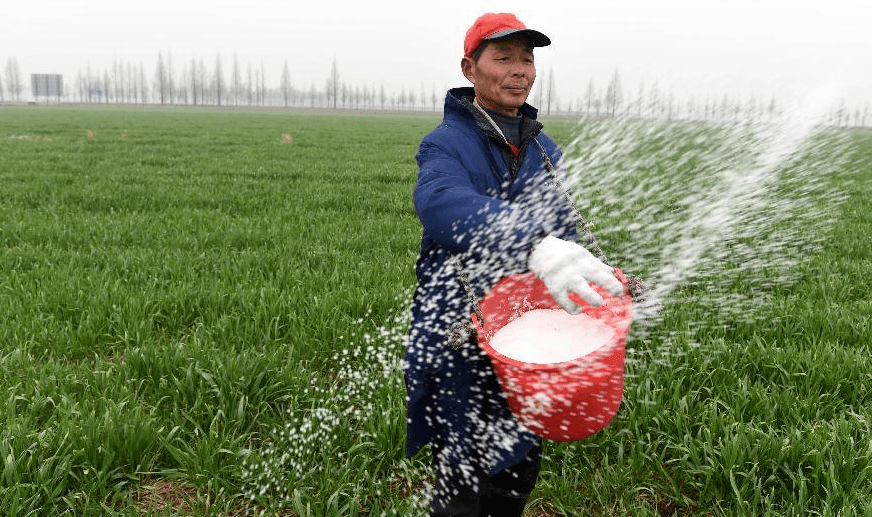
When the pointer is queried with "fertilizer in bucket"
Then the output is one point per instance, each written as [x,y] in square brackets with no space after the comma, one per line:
[562,374]
[547,336]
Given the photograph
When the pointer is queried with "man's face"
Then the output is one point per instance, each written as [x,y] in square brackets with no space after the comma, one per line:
[503,75]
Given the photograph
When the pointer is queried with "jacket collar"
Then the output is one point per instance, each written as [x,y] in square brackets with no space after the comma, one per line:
[458,102]
[466,94]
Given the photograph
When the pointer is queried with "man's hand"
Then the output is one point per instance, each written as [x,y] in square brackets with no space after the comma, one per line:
[566,267]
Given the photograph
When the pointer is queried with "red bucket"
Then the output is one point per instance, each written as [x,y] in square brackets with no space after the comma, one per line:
[565,401]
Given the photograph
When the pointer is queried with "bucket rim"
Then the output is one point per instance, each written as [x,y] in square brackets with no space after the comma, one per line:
[590,357]
[621,306]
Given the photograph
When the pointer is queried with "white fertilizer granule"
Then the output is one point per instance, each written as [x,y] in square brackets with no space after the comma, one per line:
[546,336]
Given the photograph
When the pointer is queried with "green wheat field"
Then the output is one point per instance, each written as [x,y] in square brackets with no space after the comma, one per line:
[183,290]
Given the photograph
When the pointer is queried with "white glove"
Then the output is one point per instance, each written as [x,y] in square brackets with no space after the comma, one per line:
[567,267]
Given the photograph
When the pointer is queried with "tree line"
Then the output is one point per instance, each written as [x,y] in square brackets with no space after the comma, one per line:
[652,102]
[193,82]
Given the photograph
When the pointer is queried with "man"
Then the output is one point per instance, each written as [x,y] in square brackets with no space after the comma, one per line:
[491,202]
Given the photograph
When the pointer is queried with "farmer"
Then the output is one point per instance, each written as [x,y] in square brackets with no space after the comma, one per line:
[491,199]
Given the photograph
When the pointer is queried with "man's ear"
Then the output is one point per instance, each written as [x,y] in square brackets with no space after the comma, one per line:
[467,66]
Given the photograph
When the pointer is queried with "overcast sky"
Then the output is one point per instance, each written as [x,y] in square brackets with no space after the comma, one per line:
[693,47]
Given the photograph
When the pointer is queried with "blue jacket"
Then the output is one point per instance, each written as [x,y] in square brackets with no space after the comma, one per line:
[482,209]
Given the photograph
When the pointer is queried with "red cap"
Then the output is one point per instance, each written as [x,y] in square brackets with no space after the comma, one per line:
[491,26]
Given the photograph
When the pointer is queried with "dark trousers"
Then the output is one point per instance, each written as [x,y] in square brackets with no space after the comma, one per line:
[465,491]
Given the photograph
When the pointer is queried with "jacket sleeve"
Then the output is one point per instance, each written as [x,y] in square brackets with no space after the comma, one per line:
[464,217]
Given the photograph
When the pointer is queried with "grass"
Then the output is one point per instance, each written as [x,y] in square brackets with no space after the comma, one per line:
[186,291]
[764,414]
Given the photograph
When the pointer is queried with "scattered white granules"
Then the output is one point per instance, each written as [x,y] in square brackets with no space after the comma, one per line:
[546,336]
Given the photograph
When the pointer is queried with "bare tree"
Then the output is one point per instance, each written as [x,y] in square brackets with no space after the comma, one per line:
[160,78]
[129,81]
[171,82]
[286,83]
[143,84]
[107,87]
[640,99]
[80,85]
[551,92]
[590,95]
[131,93]
[205,90]
[262,84]
[258,88]
[332,90]
[133,79]
[670,103]
[13,79]
[202,82]
[194,78]
[691,108]
[654,101]
[411,97]
[219,79]
[195,93]
[842,114]
[236,80]
[250,84]
[88,83]
[401,99]
[184,84]
[423,97]
[366,97]
[614,95]
[540,95]
[117,71]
